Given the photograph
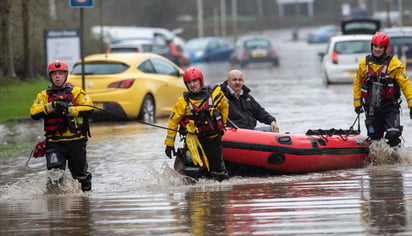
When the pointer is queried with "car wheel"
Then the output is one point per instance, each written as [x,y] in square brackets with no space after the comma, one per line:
[147,111]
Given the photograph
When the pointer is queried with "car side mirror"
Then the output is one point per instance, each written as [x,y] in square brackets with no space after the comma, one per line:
[321,55]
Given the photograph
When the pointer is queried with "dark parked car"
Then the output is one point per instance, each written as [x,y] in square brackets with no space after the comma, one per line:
[208,49]
[322,34]
[254,49]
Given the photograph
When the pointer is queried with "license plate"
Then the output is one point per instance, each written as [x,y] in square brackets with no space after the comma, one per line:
[259,54]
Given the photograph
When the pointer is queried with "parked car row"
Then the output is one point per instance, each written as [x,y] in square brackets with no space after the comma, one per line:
[140,75]
[202,49]
[247,50]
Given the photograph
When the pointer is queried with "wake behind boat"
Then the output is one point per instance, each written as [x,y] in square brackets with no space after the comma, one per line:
[252,153]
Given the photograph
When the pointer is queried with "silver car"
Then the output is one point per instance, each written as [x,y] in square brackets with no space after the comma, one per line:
[340,62]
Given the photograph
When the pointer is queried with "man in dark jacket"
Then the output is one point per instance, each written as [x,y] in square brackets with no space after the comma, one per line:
[244,110]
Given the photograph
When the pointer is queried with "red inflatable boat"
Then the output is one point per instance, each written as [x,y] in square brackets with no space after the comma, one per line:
[248,152]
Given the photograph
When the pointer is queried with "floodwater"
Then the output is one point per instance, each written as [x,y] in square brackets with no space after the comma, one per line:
[136,191]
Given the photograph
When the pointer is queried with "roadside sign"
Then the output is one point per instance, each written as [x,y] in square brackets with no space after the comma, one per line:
[62,45]
[81,3]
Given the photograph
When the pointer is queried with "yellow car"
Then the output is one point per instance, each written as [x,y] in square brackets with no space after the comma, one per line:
[130,85]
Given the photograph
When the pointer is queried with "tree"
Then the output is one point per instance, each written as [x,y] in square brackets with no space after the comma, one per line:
[27,62]
[7,65]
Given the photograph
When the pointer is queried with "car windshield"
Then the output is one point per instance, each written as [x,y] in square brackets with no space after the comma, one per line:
[120,50]
[356,46]
[100,68]
[157,66]
[363,25]
[401,40]
[197,44]
[257,43]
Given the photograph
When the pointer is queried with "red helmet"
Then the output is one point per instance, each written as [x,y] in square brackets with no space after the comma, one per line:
[380,39]
[56,66]
[193,73]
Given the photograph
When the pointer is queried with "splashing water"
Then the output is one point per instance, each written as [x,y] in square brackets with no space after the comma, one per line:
[28,188]
[382,153]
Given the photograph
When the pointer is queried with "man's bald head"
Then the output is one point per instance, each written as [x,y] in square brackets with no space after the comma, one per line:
[235,80]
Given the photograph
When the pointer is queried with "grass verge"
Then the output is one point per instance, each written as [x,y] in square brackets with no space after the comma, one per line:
[18,96]
[15,102]
[13,150]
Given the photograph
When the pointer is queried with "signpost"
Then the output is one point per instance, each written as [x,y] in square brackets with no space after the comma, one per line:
[81,4]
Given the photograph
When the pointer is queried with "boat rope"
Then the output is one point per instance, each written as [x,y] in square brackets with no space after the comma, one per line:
[123,117]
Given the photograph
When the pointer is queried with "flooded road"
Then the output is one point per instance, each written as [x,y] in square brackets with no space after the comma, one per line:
[136,191]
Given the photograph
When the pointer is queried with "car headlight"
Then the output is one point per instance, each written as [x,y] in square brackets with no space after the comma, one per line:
[199,54]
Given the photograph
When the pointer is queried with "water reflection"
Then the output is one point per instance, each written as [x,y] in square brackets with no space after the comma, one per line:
[54,215]
[206,212]
[384,210]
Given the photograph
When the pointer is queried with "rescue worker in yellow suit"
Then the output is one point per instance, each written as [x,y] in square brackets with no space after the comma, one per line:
[65,109]
[202,114]
[377,90]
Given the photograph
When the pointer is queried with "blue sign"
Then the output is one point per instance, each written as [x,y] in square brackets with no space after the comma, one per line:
[81,3]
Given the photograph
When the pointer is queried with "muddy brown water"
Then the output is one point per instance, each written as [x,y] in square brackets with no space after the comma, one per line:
[136,192]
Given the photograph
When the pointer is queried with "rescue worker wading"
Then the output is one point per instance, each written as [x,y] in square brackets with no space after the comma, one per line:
[202,114]
[377,91]
[65,124]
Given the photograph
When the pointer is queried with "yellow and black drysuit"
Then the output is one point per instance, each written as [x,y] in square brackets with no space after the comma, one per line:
[67,130]
[202,118]
[377,88]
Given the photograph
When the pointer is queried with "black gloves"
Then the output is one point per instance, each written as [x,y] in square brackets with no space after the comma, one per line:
[410,113]
[170,151]
[358,110]
[60,107]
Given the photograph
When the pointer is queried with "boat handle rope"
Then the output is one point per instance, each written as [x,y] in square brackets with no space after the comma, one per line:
[343,134]
[126,118]
[148,123]
[358,120]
